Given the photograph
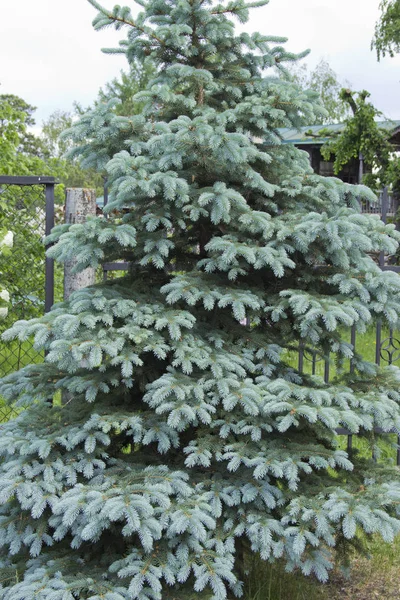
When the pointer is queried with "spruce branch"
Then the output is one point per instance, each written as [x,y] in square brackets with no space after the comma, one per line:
[123,20]
[236,6]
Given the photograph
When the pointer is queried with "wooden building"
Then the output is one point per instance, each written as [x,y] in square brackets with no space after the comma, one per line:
[305,139]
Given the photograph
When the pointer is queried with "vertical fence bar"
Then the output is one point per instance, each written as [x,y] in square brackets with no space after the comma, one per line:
[349,444]
[353,343]
[385,204]
[105,196]
[378,342]
[390,362]
[360,167]
[49,262]
[314,363]
[384,211]
[326,370]
[301,358]
[398,451]
[105,191]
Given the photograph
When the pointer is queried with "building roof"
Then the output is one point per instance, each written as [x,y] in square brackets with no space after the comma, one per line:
[305,135]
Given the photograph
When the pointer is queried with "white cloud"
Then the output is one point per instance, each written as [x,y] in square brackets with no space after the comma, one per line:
[341,32]
[50,55]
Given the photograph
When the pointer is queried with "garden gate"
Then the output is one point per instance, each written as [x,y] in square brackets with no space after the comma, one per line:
[27,209]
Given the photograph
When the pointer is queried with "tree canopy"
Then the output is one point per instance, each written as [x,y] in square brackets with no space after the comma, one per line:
[124,88]
[324,81]
[362,134]
[387,29]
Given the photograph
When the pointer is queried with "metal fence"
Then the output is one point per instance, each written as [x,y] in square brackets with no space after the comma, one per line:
[384,343]
[27,205]
[377,208]
[27,209]
[384,349]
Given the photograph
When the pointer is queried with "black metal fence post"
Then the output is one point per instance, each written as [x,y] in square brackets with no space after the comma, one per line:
[49,262]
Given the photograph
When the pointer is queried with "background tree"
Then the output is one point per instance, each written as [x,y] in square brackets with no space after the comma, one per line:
[28,143]
[118,96]
[23,153]
[22,272]
[124,88]
[52,128]
[12,122]
[387,29]
[188,440]
[324,81]
[362,134]
[55,148]
[6,242]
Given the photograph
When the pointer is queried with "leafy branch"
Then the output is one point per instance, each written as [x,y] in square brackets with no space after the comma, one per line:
[387,30]
[362,134]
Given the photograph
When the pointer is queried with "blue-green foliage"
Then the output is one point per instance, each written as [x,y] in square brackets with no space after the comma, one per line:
[183,438]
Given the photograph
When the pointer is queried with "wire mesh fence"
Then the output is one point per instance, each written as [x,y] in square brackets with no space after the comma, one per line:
[27,209]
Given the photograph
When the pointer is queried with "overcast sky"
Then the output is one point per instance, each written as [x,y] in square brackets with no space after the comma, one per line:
[50,55]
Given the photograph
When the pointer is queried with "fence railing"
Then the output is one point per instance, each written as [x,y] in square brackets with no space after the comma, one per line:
[380,345]
[386,342]
[377,208]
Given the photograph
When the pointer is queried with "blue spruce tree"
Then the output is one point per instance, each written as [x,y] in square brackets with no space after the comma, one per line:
[186,440]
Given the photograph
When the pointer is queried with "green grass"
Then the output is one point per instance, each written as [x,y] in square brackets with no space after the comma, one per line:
[271,582]
[372,578]
[365,345]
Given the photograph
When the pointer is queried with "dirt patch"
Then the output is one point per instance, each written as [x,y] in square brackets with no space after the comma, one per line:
[367,582]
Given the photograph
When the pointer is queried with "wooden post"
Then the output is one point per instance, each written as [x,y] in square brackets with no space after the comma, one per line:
[80,203]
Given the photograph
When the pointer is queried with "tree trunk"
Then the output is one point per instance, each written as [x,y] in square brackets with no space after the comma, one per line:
[79,204]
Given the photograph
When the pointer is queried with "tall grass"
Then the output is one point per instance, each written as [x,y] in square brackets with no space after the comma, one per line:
[373,577]
[272,582]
